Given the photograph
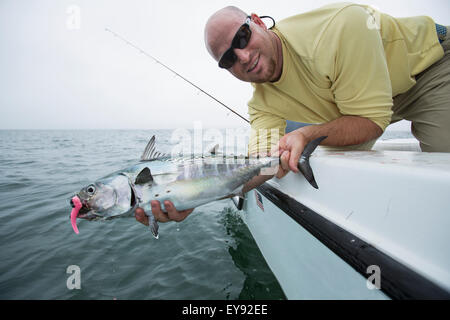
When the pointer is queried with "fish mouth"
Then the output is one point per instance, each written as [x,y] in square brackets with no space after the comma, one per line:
[87,215]
[85,212]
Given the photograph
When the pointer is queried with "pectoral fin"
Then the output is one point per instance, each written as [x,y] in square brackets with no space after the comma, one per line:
[145,176]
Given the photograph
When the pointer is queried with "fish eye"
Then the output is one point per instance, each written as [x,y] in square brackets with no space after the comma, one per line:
[90,189]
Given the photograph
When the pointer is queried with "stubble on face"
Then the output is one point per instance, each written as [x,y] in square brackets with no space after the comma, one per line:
[266,72]
[263,46]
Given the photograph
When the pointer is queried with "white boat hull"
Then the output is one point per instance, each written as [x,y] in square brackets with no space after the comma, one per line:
[387,209]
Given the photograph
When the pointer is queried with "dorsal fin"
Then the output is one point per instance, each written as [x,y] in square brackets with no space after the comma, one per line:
[214,150]
[150,153]
[144,176]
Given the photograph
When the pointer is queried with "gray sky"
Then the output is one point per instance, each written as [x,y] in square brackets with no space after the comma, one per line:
[54,75]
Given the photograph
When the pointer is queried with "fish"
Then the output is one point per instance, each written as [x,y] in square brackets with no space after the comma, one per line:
[188,182]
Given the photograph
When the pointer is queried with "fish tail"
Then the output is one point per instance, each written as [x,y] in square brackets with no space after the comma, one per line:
[303,163]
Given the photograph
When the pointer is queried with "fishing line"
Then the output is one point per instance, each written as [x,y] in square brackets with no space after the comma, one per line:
[173,71]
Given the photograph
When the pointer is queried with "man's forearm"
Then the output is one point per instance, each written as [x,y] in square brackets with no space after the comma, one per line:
[344,131]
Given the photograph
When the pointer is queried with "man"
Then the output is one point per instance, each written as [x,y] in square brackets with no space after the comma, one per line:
[347,69]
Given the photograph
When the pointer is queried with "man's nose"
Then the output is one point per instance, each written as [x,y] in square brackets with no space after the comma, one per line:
[243,55]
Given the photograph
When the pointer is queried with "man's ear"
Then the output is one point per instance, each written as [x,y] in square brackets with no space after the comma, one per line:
[257,20]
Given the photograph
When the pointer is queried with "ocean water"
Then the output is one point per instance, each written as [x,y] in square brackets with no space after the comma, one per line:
[210,255]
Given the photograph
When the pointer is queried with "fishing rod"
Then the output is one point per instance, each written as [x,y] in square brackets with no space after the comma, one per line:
[176,73]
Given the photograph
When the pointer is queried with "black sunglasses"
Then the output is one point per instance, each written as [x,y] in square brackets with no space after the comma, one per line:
[240,41]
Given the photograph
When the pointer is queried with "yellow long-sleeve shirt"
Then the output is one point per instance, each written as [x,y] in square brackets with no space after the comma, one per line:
[341,59]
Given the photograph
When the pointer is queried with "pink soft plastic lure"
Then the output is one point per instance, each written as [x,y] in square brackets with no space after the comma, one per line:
[73,215]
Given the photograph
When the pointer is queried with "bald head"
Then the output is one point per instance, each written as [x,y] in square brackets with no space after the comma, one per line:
[228,18]
[258,59]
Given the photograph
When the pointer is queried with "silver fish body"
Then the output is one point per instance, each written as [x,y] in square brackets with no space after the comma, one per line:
[195,182]
[188,182]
